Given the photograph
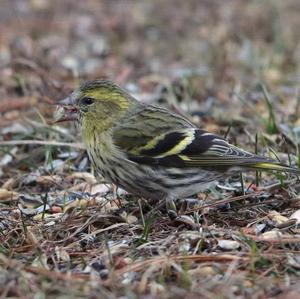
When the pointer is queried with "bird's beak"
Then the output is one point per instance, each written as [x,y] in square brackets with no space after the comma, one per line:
[66,111]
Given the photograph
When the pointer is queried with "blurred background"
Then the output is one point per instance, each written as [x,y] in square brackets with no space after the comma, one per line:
[208,59]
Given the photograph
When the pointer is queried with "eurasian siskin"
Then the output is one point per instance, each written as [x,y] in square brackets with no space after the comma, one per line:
[150,151]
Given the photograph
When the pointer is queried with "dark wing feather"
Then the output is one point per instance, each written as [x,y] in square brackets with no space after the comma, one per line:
[206,150]
[175,142]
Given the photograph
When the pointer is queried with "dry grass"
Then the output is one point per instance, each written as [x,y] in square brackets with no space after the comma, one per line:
[233,67]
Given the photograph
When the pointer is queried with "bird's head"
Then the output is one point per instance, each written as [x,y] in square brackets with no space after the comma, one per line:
[98,104]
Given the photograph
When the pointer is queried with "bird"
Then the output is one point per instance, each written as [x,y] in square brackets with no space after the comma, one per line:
[149,150]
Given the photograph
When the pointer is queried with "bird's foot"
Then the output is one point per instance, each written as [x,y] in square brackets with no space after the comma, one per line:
[177,218]
[171,209]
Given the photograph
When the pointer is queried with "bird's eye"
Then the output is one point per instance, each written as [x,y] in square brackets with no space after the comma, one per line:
[86,101]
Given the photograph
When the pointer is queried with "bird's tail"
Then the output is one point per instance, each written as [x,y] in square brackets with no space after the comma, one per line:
[275,166]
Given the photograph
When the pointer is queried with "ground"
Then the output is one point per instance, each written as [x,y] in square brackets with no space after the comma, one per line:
[232,67]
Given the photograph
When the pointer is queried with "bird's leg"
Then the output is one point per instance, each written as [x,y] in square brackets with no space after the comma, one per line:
[177,219]
[171,208]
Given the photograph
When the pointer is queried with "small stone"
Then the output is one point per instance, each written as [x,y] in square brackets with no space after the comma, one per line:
[120,262]
[184,247]
[71,63]
[62,254]
[48,180]
[56,165]
[98,266]
[104,274]
[56,209]
[130,219]
[192,236]
[259,228]
[156,288]
[7,158]
[271,235]
[7,194]
[88,177]
[247,284]
[276,217]
[99,189]
[296,215]
[229,244]
[202,271]
[50,223]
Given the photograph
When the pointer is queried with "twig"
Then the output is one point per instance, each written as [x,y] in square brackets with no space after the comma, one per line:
[96,232]
[237,198]
[88,222]
[226,200]
[56,275]
[278,185]
[196,258]
[42,142]
[280,239]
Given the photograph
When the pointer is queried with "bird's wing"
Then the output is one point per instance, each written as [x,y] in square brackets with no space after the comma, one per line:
[144,127]
[160,138]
